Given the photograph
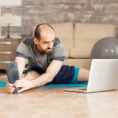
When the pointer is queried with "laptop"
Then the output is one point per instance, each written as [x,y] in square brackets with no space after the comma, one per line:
[103,76]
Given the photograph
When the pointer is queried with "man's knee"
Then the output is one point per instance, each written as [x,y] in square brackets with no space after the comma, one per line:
[32,75]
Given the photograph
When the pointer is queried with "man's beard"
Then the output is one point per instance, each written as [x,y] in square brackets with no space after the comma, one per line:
[48,51]
[42,51]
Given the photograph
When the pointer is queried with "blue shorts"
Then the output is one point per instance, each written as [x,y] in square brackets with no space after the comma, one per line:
[66,75]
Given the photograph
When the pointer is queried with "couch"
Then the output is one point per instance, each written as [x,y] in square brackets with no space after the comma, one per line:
[79,38]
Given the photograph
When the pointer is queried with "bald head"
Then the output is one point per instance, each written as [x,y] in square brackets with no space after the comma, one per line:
[43,30]
[44,38]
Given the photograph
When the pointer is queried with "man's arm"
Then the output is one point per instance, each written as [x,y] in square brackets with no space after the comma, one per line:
[50,73]
[21,62]
[48,76]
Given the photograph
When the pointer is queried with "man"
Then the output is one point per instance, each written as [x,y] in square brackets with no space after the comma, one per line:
[45,54]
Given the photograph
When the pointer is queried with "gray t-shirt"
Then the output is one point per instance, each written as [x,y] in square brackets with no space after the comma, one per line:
[26,49]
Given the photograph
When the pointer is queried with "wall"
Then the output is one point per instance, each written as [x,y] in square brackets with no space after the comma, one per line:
[55,11]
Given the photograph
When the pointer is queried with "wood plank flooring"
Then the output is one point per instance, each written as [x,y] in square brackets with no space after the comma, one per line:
[56,103]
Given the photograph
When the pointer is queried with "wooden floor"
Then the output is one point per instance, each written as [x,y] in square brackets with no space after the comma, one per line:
[56,103]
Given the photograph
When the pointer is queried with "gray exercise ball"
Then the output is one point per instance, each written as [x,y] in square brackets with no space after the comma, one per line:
[106,48]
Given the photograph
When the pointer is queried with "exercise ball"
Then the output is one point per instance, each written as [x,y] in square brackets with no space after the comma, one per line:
[106,48]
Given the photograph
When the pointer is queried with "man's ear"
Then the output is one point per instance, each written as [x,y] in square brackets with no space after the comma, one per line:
[36,41]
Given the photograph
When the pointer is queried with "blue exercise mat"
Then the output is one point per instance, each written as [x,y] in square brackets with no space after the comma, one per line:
[82,84]
[3,84]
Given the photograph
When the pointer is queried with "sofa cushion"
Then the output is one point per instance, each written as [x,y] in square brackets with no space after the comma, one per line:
[82,63]
[64,31]
[81,52]
[67,53]
[86,35]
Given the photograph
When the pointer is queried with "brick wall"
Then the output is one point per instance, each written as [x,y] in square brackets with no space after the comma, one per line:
[56,11]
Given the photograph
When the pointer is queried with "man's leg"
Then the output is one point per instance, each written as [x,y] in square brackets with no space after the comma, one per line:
[13,75]
[83,74]
[31,75]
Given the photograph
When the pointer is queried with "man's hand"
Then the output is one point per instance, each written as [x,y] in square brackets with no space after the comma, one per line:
[23,84]
[10,89]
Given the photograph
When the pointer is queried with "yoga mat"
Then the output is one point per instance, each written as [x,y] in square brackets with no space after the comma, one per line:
[3,84]
[81,84]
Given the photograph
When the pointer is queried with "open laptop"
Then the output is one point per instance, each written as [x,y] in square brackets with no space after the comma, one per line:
[103,76]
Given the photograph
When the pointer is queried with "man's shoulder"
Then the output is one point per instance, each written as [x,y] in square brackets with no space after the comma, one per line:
[25,45]
[57,41]
[29,41]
